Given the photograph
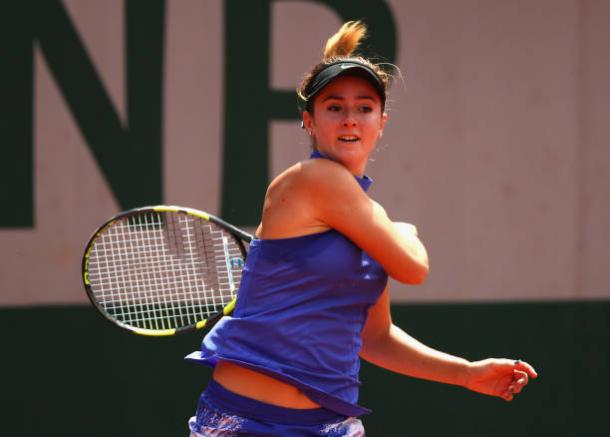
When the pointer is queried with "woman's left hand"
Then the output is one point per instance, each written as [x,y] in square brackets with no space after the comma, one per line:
[499,377]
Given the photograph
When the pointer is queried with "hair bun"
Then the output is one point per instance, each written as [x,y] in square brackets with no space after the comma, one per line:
[345,41]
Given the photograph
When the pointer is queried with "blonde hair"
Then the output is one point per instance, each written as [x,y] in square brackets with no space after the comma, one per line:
[342,46]
[345,41]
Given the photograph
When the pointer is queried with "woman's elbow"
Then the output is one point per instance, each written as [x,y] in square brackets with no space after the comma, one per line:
[415,275]
[420,276]
[417,263]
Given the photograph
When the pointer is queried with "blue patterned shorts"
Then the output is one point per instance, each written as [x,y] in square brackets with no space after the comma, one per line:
[221,413]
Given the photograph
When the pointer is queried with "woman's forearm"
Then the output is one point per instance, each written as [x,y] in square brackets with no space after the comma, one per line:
[399,352]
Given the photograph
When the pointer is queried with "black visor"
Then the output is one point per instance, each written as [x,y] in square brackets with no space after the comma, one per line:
[343,68]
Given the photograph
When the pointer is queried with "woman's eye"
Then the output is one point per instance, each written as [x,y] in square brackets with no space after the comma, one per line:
[334,108]
[365,109]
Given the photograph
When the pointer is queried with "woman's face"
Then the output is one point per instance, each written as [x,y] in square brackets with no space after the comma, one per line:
[346,121]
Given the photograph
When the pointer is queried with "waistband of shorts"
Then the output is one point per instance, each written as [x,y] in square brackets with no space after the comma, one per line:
[222,399]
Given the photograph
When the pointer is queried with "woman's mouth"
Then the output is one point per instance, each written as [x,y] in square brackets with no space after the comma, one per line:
[348,138]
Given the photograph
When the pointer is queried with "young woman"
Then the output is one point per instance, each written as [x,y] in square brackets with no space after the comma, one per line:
[313,296]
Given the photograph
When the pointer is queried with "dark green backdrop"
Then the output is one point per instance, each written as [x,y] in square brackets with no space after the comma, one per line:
[68,372]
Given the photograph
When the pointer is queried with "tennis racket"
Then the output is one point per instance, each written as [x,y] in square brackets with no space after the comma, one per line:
[163,270]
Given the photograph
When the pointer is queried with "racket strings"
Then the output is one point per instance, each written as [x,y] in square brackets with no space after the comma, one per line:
[164,270]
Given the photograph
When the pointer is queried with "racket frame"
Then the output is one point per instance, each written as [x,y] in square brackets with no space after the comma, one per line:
[240,238]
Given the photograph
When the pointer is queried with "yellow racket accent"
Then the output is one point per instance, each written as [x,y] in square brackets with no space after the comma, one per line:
[196,213]
[171,208]
[159,333]
[230,307]
[88,252]
[201,324]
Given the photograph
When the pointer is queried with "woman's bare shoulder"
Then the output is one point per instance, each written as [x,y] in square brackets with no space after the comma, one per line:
[294,198]
[311,174]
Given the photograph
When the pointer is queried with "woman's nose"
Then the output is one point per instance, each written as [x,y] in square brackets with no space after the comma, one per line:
[349,119]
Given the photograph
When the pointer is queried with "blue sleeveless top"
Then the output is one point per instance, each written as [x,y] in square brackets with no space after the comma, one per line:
[301,306]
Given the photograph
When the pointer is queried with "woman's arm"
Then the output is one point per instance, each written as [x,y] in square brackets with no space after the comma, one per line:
[388,346]
[336,199]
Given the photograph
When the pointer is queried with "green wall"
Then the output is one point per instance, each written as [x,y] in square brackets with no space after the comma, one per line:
[68,372]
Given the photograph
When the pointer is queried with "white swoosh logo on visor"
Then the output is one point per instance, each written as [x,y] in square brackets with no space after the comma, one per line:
[344,66]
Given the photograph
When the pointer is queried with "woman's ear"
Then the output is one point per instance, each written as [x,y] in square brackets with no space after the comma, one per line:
[384,119]
[307,123]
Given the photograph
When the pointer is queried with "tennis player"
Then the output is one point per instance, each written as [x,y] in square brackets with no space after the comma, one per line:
[313,296]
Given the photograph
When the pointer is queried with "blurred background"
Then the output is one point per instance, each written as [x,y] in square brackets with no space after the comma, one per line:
[497,148]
